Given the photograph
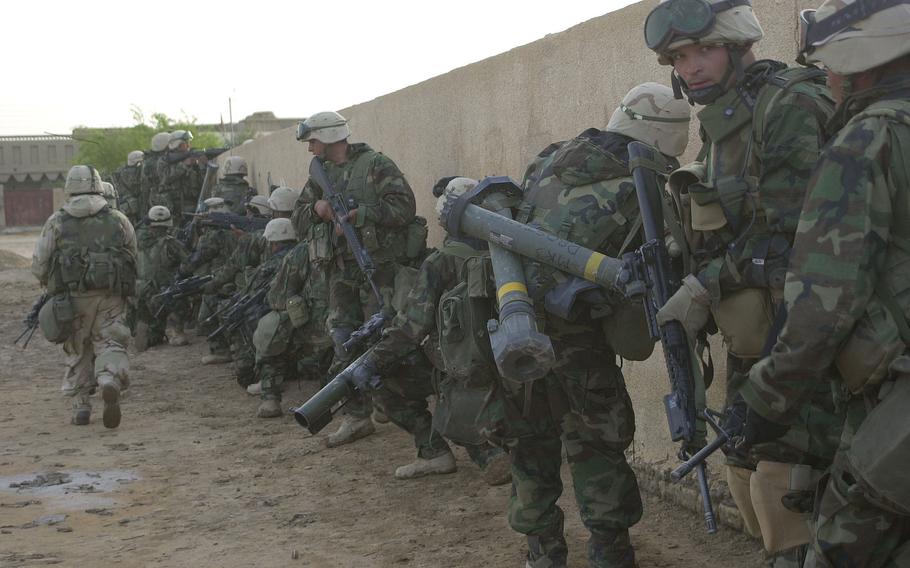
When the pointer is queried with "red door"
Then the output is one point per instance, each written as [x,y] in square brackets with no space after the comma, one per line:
[28,207]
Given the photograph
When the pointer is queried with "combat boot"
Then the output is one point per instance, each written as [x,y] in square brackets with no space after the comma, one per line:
[215,359]
[178,339]
[548,551]
[611,549]
[82,411]
[254,389]
[434,466]
[110,394]
[269,408]
[379,417]
[351,429]
[141,340]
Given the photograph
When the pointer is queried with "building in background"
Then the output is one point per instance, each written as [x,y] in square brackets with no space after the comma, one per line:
[31,167]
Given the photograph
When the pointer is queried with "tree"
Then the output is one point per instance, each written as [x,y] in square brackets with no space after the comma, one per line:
[106,148]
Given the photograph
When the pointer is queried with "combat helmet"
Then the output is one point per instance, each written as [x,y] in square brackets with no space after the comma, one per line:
[851,36]
[134,157]
[283,199]
[82,179]
[260,204]
[327,127]
[109,193]
[178,137]
[675,23]
[651,114]
[216,205]
[235,166]
[160,140]
[160,216]
[280,230]
[456,187]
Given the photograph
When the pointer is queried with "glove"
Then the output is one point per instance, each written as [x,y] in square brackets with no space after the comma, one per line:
[364,375]
[747,428]
[688,306]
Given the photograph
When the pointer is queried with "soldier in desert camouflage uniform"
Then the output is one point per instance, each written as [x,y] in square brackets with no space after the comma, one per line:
[848,290]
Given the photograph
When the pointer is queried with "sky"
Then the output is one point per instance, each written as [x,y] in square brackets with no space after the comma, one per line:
[90,63]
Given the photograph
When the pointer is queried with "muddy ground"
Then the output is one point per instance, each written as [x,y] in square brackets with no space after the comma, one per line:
[193,478]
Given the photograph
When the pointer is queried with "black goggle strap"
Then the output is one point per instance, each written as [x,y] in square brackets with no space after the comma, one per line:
[636,116]
[848,15]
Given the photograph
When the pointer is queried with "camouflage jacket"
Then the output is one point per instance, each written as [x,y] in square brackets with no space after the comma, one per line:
[148,178]
[234,190]
[265,273]
[853,241]
[181,182]
[385,207]
[439,273]
[160,256]
[250,251]
[762,140]
[127,183]
[297,276]
[213,249]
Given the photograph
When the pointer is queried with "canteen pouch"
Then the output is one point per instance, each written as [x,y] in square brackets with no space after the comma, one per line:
[781,529]
[745,319]
[873,344]
[458,407]
[298,311]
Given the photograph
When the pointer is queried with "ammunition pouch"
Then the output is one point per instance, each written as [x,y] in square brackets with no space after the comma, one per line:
[880,449]
[298,311]
[458,408]
[745,318]
[626,330]
[56,318]
[874,343]
[781,529]
[320,242]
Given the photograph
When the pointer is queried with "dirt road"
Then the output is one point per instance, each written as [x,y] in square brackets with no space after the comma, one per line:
[192,478]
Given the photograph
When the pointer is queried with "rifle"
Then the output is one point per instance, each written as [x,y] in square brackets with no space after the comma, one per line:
[229,220]
[317,412]
[31,320]
[237,314]
[648,275]
[210,153]
[185,235]
[181,289]
[341,210]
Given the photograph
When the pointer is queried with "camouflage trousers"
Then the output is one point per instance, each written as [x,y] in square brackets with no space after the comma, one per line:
[582,405]
[146,311]
[403,398]
[282,351]
[208,306]
[96,352]
[352,302]
[850,528]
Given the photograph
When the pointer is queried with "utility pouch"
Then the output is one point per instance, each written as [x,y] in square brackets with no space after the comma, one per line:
[56,318]
[298,311]
[707,213]
[880,449]
[369,237]
[731,193]
[457,410]
[873,344]
[745,319]
[626,330]
[101,273]
[781,528]
[320,243]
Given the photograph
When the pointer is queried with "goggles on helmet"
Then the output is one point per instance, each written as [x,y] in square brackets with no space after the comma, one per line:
[813,33]
[677,19]
[303,131]
[638,116]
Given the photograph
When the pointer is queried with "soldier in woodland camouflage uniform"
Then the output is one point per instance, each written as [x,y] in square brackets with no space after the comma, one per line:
[291,339]
[149,186]
[763,125]
[179,182]
[160,256]
[232,187]
[848,290]
[213,250]
[581,190]
[383,213]
[86,257]
[127,179]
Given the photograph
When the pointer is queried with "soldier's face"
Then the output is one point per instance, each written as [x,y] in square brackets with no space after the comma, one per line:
[700,66]
[316,147]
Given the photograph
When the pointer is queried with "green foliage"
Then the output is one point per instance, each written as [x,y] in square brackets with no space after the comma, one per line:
[106,148]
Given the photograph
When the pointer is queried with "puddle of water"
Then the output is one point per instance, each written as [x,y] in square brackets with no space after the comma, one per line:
[81,489]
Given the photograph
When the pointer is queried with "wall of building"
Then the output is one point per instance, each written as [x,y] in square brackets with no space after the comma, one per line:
[492,117]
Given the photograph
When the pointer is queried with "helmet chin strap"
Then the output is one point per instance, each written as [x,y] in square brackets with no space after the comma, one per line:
[708,95]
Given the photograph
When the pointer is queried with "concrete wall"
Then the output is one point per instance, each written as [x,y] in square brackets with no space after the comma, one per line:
[492,117]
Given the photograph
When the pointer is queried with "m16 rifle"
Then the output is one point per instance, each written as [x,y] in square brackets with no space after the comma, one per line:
[31,320]
[648,275]
[231,221]
[245,308]
[209,153]
[181,288]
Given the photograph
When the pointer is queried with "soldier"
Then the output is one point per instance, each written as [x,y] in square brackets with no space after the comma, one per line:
[382,212]
[149,180]
[417,327]
[86,258]
[232,187]
[109,194]
[846,290]
[160,256]
[291,338]
[127,181]
[581,190]
[763,125]
[180,181]
[213,250]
